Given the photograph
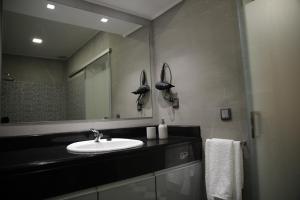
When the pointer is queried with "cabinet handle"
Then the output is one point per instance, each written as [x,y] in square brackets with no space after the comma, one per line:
[252,121]
[255,120]
[183,155]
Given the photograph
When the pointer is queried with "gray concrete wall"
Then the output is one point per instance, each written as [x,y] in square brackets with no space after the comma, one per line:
[200,41]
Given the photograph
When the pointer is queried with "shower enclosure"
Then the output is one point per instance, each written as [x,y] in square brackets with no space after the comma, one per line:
[270,33]
[39,90]
[98,89]
[89,90]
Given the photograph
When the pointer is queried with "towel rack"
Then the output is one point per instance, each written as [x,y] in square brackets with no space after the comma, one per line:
[243,143]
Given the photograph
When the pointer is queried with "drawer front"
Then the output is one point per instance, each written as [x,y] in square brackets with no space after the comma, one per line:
[140,190]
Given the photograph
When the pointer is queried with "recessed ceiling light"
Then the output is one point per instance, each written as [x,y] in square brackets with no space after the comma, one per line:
[37,40]
[104,20]
[50,6]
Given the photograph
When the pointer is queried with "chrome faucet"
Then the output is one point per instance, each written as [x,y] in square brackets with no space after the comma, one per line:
[97,135]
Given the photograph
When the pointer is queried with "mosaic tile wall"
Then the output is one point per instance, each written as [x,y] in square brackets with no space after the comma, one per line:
[76,98]
[28,101]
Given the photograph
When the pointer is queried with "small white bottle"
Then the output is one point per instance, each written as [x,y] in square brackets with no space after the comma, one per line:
[163,130]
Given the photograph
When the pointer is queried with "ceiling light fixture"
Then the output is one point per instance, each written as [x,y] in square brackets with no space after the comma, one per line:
[50,6]
[37,40]
[104,20]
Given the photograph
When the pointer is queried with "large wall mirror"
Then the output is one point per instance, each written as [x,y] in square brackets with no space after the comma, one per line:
[64,63]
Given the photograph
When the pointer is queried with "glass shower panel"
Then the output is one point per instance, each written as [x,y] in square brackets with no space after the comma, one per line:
[271,49]
[75,97]
[98,89]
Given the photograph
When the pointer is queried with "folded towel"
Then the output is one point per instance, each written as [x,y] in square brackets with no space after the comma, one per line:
[238,171]
[223,169]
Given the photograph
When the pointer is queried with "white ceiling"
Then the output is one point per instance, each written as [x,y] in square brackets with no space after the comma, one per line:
[59,39]
[69,15]
[149,9]
[63,30]
[66,29]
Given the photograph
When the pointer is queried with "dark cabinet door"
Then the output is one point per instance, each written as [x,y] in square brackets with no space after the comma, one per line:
[137,190]
[182,183]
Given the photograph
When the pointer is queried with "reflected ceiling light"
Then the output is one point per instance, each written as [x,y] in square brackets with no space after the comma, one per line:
[37,40]
[50,6]
[104,20]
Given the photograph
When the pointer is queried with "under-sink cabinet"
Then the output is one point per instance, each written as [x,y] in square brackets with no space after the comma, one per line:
[182,183]
[177,183]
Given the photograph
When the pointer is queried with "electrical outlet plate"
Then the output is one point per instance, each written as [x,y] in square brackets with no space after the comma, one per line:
[175,103]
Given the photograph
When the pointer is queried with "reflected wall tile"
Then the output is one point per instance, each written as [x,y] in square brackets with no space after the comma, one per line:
[29,101]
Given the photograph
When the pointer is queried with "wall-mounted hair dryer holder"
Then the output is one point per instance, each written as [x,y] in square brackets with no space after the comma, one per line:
[142,91]
[166,87]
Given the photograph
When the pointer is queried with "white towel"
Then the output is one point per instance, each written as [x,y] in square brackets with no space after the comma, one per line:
[238,171]
[223,169]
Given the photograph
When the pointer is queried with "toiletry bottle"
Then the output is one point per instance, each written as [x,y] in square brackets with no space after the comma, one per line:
[163,130]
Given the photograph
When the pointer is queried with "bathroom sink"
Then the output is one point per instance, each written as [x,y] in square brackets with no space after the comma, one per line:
[103,146]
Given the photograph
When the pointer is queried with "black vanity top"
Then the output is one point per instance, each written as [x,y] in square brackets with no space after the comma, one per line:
[23,160]
[41,166]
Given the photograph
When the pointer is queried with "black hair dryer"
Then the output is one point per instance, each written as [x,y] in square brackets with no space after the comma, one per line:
[142,90]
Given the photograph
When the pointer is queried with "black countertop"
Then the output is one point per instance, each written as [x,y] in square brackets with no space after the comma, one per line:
[41,166]
[29,159]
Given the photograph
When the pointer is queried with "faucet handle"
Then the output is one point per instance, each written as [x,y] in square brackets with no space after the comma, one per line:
[94,131]
[97,134]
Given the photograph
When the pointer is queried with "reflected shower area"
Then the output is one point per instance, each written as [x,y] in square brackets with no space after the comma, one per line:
[42,92]
[89,90]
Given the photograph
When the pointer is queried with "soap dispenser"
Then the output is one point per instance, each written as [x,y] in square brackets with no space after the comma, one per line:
[163,130]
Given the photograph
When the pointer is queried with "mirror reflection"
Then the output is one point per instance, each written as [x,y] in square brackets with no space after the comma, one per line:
[58,66]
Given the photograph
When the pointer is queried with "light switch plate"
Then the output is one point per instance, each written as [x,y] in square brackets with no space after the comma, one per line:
[226,114]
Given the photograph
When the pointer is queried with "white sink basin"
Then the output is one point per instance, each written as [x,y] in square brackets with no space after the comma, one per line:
[103,146]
